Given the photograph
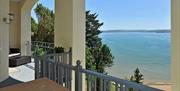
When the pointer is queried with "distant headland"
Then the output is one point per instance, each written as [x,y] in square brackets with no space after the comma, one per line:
[151,31]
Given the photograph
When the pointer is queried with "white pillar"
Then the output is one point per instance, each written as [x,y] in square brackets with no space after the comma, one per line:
[4,40]
[25,32]
[175,24]
[14,28]
[26,7]
[70,27]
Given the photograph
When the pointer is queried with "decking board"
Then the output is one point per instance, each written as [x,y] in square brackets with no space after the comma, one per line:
[43,84]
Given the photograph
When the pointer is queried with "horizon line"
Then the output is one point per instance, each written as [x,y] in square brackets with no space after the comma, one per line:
[133,29]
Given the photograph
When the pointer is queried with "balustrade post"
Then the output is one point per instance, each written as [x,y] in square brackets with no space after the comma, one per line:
[78,77]
[36,67]
[70,71]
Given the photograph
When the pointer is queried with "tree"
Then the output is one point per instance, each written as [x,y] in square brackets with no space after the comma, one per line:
[105,57]
[34,29]
[89,60]
[99,55]
[137,77]
[92,30]
[34,26]
[45,18]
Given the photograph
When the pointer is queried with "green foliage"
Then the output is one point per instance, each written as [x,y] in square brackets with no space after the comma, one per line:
[59,49]
[98,55]
[137,77]
[34,29]
[89,60]
[39,52]
[45,25]
[103,58]
[34,26]
[92,30]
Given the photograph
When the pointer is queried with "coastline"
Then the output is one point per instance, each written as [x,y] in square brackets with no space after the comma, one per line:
[134,49]
[141,31]
[166,86]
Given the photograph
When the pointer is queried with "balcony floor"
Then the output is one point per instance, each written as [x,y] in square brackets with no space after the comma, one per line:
[42,84]
[10,81]
[20,74]
[24,73]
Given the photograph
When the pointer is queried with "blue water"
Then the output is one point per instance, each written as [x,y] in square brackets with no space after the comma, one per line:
[150,52]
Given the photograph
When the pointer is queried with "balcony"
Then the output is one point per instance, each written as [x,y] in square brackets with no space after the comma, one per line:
[67,34]
[58,68]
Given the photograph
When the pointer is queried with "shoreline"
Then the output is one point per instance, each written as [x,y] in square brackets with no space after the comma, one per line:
[166,86]
[151,82]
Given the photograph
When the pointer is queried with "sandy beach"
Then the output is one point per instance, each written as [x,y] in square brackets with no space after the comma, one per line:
[166,86]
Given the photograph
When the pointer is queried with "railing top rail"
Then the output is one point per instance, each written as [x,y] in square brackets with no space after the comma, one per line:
[41,42]
[61,64]
[57,54]
[51,55]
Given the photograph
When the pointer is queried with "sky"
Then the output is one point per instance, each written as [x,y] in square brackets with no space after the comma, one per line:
[127,14]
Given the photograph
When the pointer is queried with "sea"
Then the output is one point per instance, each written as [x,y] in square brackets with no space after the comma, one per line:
[148,51]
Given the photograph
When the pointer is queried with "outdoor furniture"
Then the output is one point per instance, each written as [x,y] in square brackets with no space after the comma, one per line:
[15,58]
[14,54]
[43,84]
[19,60]
[14,50]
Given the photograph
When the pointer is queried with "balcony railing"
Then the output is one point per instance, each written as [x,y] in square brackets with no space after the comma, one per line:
[58,67]
[46,46]
[42,44]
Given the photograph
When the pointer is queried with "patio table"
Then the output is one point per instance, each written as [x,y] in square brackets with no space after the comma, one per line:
[42,84]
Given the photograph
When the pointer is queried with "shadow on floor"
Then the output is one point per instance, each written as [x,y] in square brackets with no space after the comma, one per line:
[8,82]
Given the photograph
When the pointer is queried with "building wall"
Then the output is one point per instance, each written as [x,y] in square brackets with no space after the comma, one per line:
[26,7]
[70,29]
[63,23]
[175,27]
[20,28]
[15,30]
[4,39]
